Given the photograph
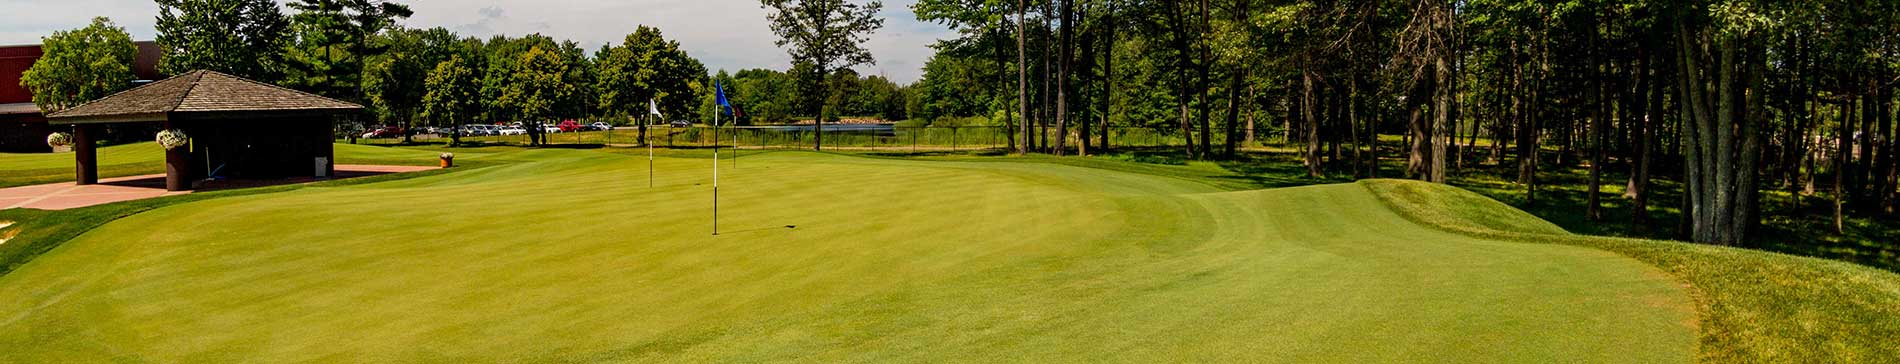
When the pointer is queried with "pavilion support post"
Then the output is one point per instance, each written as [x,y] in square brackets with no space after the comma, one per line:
[177,169]
[85,155]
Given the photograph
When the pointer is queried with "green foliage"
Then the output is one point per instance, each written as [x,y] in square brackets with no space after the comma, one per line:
[81,65]
[395,81]
[505,67]
[645,67]
[244,38]
[536,85]
[336,41]
[452,96]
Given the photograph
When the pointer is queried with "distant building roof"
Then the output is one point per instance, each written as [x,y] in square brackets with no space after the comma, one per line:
[196,92]
[19,108]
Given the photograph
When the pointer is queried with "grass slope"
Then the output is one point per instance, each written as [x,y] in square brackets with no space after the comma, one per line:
[570,257]
[1754,306]
[19,169]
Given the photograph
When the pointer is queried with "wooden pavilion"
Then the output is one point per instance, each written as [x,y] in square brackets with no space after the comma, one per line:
[237,128]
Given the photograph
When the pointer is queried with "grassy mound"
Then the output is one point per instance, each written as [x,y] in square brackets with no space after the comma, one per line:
[1754,307]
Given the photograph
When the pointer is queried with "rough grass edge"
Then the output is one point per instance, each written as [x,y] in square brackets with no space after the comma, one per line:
[1752,306]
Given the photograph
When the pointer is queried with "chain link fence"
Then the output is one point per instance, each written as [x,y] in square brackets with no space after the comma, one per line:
[846,136]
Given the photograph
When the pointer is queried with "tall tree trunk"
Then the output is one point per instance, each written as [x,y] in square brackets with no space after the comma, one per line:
[1418,161]
[1233,115]
[1721,131]
[1022,74]
[1441,123]
[1311,125]
[1202,82]
[1108,72]
[1594,205]
[1650,91]
[1844,148]
[1085,60]
[1062,77]
[1184,54]
[1002,83]
[818,126]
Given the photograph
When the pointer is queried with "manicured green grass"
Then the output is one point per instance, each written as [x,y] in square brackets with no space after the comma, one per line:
[19,169]
[567,255]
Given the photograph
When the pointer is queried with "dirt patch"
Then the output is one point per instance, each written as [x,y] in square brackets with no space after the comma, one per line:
[6,234]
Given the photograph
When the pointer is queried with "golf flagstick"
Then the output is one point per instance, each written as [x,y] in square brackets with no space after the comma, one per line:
[715,221]
[652,111]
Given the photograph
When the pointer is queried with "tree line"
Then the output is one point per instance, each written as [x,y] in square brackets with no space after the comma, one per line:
[358,51]
[1727,97]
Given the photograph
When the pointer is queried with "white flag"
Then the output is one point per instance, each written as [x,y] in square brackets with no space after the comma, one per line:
[653,108]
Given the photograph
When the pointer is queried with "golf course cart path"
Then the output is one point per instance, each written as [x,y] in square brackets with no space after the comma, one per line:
[567,258]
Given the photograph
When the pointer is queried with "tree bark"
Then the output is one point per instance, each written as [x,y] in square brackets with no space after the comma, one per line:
[1723,115]
[1108,72]
[1022,74]
[1311,125]
[1062,77]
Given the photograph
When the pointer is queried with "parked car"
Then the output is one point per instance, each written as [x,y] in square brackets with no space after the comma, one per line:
[511,130]
[681,124]
[550,128]
[598,126]
[569,126]
[384,132]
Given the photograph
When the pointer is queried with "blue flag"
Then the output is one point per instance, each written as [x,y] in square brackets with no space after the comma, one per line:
[720,92]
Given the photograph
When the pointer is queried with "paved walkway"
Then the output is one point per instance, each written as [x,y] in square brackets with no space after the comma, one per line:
[66,195]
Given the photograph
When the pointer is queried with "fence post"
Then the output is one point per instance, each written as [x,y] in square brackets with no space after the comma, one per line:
[953,139]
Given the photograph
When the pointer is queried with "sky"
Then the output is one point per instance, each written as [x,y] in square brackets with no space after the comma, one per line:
[724,34]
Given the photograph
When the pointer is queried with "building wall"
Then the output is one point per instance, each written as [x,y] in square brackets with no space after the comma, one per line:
[27,132]
[14,60]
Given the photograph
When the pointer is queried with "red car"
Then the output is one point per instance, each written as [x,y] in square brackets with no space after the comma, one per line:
[570,126]
[384,132]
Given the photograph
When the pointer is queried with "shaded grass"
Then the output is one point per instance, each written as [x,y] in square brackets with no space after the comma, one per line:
[20,169]
[1754,306]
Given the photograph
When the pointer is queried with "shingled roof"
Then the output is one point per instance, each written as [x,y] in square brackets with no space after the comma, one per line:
[197,92]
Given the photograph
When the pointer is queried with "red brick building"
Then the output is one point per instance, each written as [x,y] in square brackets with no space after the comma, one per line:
[23,127]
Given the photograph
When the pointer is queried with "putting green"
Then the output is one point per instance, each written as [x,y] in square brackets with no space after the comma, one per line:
[574,258]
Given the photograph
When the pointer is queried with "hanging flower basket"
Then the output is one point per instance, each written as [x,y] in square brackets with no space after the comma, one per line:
[172,138]
[59,140]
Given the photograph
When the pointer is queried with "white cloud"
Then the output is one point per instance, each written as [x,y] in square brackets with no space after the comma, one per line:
[725,34]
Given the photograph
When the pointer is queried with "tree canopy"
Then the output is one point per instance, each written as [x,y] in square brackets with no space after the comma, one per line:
[81,65]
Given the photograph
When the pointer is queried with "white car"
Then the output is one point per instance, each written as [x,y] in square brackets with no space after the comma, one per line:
[511,130]
[478,130]
[600,126]
[550,128]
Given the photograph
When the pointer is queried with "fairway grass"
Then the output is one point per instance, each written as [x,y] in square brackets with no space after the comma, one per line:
[823,258]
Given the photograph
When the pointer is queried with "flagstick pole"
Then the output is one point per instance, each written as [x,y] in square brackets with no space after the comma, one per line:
[649,155]
[715,201]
